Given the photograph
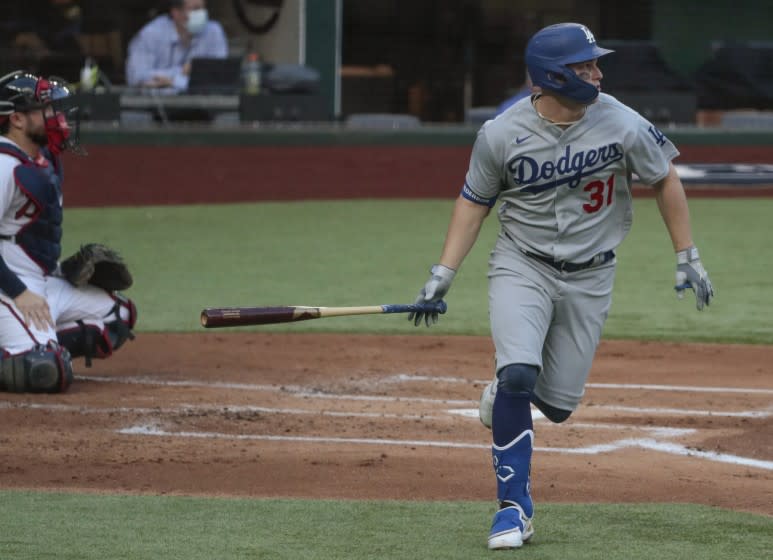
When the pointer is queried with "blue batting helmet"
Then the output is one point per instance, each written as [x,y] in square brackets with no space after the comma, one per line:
[549,52]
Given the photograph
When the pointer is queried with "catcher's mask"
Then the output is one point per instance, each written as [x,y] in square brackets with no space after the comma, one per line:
[552,49]
[24,92]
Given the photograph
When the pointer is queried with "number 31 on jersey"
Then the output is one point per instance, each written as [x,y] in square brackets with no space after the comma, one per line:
[600,194]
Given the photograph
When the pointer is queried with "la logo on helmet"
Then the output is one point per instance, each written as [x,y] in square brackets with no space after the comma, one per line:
[588,35]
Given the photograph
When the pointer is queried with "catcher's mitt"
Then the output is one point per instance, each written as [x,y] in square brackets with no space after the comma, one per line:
[99,265]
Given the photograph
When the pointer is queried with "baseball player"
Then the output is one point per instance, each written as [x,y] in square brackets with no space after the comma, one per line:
[44,319]
[561,163]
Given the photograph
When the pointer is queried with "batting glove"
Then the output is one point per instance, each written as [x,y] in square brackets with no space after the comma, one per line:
[436,287]
[691,274]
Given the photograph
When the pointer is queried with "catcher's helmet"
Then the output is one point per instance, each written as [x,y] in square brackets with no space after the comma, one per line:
[22,92]
[551,49]
[19,92]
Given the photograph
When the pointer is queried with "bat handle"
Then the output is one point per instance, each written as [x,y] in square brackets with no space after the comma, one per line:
[439,306]
[424,307]
[430,307]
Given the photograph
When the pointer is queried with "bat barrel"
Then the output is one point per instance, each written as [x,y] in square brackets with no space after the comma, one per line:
[215,317]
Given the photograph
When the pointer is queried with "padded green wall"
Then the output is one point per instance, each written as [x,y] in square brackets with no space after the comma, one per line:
[323,32]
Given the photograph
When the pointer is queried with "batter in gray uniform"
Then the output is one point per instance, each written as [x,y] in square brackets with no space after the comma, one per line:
[560,162]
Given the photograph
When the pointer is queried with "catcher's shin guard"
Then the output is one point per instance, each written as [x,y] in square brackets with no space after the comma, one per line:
[125,313]
[89,341]
[43,369]
[85,340]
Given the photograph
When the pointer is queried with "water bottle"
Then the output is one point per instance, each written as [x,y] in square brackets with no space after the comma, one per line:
[252,74]
[88,75]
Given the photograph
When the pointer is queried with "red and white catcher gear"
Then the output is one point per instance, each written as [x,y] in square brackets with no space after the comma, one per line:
[89,340]
[43,369]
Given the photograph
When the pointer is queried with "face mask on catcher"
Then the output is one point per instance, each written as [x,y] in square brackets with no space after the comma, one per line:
[57,133]
[197,21]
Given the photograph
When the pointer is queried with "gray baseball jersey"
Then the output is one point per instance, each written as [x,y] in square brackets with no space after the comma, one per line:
[565,194]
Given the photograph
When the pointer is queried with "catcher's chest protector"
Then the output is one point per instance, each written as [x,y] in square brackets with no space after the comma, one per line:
[41,237]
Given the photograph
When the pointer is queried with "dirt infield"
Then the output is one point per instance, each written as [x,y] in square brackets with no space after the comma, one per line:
[336,416]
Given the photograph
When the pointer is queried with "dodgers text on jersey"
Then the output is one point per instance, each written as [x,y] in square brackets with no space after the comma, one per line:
[569,169]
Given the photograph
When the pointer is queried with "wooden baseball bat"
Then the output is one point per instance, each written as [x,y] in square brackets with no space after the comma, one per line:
[215,317]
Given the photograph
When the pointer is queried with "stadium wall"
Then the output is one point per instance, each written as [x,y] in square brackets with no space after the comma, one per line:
[183,167]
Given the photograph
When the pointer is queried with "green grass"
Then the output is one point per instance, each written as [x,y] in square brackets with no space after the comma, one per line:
[372,252]
[85,527]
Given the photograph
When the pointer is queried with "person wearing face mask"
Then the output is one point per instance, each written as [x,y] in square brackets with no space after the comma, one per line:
[160,53]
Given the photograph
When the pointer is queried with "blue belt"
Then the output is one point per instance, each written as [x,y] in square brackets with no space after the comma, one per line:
[565,266]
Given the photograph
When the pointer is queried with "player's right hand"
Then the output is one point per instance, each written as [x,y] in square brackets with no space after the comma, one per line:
[435,288]
[34,309]
[691,274]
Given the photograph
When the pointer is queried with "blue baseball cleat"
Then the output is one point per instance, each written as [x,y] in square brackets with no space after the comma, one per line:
[510,528]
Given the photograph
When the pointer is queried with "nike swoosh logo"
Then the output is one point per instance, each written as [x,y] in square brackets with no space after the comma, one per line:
[522,140]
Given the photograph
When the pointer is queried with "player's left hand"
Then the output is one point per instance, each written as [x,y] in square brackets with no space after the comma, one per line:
[436,287]
[691,274]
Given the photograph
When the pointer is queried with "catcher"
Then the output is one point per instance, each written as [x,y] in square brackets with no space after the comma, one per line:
[50,312]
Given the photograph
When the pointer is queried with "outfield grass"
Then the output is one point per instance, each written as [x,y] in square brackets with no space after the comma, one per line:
[371,252]
[88,527]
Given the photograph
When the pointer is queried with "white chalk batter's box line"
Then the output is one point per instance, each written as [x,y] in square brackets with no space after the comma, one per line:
[640,443]
[151,430]
[155,430]
[658,431]
[644,443]
[222,409]
[303,392]
[404,377]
